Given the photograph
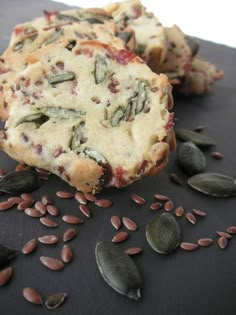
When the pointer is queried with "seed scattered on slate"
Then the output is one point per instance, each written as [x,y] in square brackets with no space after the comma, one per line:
[55,300]
[129,224]
[69,234]
[179,211]
[213,184]
[133,251]
[191,218]
[25,204]
[161,197]
[5,275]
[224,234]
[40,207]
[48,222]
[90,197]
[222,242]
[31,212]
[1,172]
[46,200]
[231,229]
[52,210]
[217,155]
[196,138]
[20,167]
[48,239]
[168,206]
[198,212]
[26,196]
[71,219]
[80,198]
[29,247]
[5,205]
[156,206]
[188,246]
[118,270]
[120,237]
[15,200]
[42,171]
[191,158]
[163,233]
[64,194]
[116,222]
[52,263]
[103,203]
[32,296]
[138,199]
[66,254]
[85,210]
[204,242]
[176,179]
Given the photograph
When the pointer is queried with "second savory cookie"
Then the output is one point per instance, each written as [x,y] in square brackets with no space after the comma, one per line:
[94,115]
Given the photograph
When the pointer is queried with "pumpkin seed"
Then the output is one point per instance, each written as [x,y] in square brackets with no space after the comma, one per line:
[77,136]
[19,182]
[70,18]
[118,270]
[53,37]
[21,44]
[85,15]
[94,21]
[18,46]
[33,296]
[117,116]
[163,233]
[196,138]
[55,300]
[191,158]
[101,69]
[141,98]
[6,254]
[60,78]
[213,184]
[125,36]
[95,155]
[62,113]
[5,275]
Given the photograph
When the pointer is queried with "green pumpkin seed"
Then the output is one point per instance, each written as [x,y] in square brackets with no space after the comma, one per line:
[60,78]
[95,155]
[141,98]
[55,300]
[62,113]
[193,44]
[118,269]
[94,21]
[140,49]
[18,46]
[191,158]
[195,137]
[29,29]
[163,233]
[213,184]
[53,37]
[128,111]
[86,16]
[117,116]
[101,69]
[70,18]
[20,182]
[6,254]
[77,136]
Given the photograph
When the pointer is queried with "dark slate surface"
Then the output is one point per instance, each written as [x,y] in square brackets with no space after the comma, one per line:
[184,283]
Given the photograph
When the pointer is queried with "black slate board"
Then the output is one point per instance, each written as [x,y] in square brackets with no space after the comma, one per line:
[201,282]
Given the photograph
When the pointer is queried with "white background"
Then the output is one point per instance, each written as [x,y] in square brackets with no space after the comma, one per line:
[213,20]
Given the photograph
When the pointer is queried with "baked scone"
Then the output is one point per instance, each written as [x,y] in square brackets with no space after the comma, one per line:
[179,55]
[94,115]
[200,78]
[14,60]
[151,42]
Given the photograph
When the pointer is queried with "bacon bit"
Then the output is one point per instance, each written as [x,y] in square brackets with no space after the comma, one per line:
[48,15]
[170,122]
[141,167]
[119,177]
[27,83]
[84,51]
[60,169]
[113,84]
[18,30]
[74,86]
[37,95]
[24,137]
[60,65]
[57,26]
[39,148]
[3,135]
[122,56]
[136,11]
[58,152]
[154,89]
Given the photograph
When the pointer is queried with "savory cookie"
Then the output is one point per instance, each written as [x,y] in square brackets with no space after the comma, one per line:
[199,78]
[151,42]
[94,115]
[14,58]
